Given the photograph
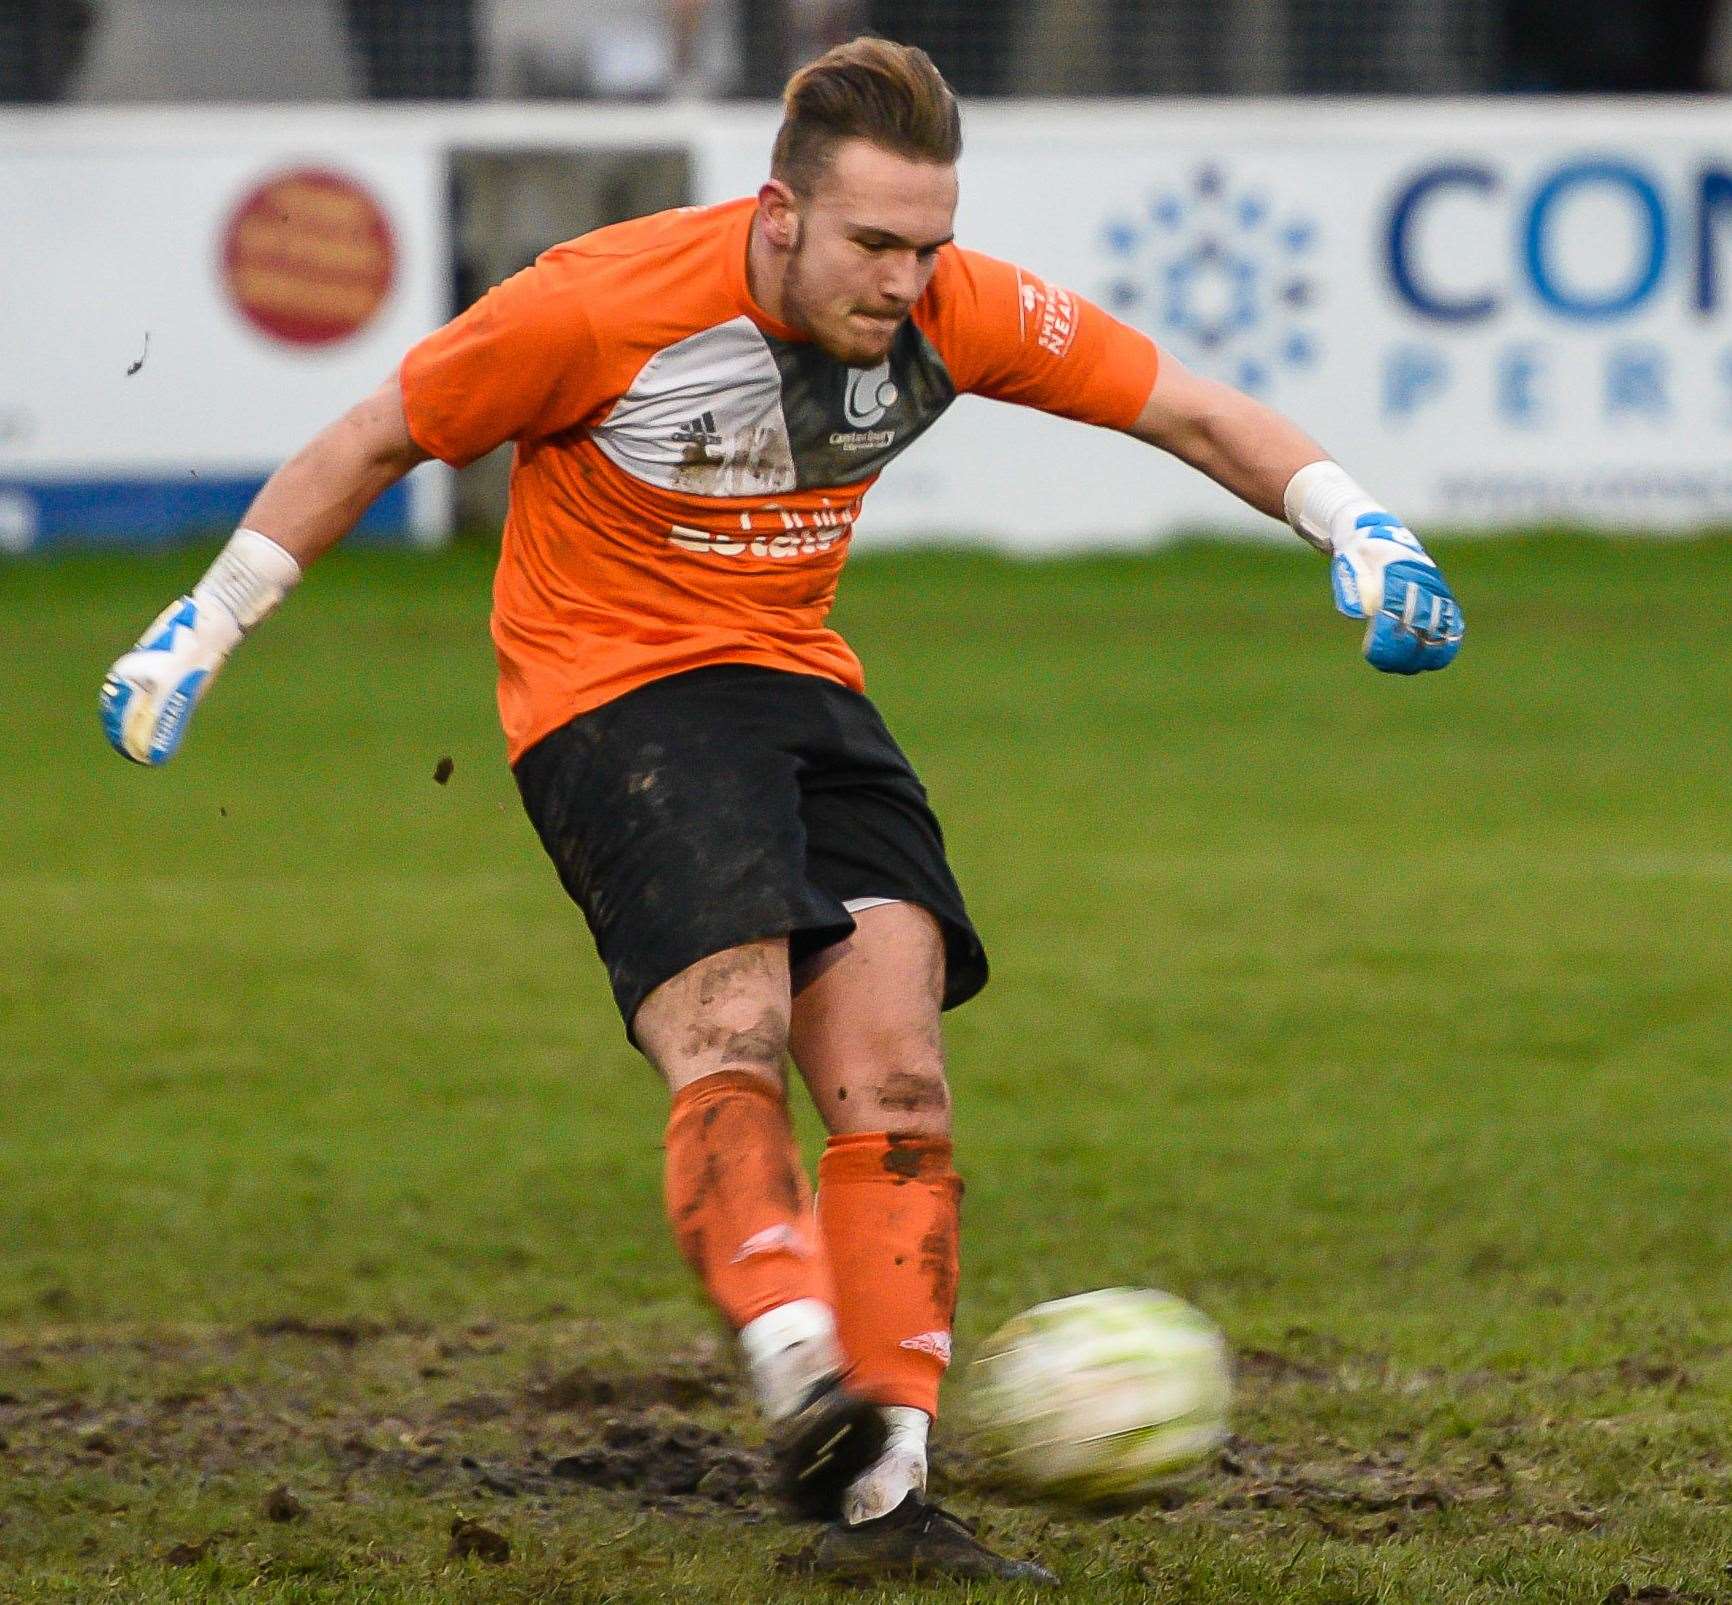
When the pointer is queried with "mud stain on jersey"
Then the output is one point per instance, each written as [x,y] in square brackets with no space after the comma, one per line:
[747,464]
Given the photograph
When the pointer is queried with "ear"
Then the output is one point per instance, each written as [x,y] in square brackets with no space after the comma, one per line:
[779,214]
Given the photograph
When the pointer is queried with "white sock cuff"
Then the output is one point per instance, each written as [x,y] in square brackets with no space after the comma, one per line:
[789,1350]
[898,1472]
[907,1427]
[803,1320]
[250,576]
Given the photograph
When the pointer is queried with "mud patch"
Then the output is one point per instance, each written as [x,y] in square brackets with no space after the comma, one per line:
[662,1461]
[581,1389]
[1269,1366]
[1654,1593]
[344,1411]
[352,1413]
[470,1540]
[280,1505]
[475,1408]
[345,1334]
[1639,1373]
[1568,1519]
[1339,1494]
[187,1554]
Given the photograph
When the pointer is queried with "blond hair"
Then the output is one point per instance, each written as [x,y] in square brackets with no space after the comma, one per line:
[888,94]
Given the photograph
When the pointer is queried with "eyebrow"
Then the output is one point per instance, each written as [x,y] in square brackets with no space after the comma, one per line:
[897,239]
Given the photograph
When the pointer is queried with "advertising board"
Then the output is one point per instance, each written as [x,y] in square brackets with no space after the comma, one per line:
[178,314]
[1495,313]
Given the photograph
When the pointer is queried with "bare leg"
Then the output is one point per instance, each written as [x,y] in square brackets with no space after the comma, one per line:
[736,1191]
[741,1210]
[865,1031]
[726,1012]
[865,1034]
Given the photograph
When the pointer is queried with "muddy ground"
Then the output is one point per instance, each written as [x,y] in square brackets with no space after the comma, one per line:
[489,1417]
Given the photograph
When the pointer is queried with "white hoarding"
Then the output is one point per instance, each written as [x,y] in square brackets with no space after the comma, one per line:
[181,307]
[1494,313]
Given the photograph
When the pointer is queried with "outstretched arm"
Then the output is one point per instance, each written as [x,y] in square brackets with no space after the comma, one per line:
[1239,443]
[1380,571]
[304,509]
[319,494]
[1006,333]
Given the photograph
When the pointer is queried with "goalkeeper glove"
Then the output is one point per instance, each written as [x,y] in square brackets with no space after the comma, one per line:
[1379,571]
[150,692]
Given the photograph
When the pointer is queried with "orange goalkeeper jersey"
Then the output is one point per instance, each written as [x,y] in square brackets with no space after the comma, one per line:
[689,469]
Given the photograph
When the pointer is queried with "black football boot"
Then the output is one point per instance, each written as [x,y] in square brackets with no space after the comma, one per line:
[822,1447]
[916,1540]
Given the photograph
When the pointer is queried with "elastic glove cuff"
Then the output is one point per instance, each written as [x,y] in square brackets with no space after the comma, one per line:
[250,576]
[1323,504]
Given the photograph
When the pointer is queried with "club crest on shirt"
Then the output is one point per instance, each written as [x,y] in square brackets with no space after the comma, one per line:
[868,395]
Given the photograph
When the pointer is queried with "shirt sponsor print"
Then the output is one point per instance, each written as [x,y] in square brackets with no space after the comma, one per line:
[1046,314]
[867,394]
[775,532]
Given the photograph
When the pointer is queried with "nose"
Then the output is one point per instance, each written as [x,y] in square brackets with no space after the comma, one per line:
[901,281]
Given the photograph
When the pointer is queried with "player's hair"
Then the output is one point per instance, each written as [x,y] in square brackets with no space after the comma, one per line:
[888,94]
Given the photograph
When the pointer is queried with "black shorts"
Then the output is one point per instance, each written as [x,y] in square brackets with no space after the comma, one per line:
[733,803]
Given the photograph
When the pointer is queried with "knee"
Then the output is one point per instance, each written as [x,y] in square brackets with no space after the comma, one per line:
[752,1041]
[758,1043]
[908,1094]
[726,1013]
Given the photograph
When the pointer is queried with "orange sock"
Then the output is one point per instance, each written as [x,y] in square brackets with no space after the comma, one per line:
[738,1198]
[889,1208]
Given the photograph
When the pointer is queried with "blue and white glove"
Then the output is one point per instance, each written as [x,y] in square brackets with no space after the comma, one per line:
[150,692]
[1382,574]
[1379,571]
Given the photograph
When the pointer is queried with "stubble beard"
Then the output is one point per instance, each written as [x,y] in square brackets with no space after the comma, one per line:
[838,343]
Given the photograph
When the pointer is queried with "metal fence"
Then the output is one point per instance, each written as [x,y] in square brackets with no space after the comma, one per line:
[193,50]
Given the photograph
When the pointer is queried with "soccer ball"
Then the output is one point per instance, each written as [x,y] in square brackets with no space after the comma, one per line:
[1098,1398]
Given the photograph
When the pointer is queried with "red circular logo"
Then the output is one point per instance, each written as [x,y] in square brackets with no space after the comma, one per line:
[308,257]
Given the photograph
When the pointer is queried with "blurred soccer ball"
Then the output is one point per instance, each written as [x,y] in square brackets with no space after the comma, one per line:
[1098,1398]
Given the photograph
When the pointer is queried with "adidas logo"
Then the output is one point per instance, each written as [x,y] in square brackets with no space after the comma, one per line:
[701,439]
[778,1239]
[937,1344]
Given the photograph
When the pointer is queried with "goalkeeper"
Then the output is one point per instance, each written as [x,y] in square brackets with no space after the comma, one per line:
[699,401]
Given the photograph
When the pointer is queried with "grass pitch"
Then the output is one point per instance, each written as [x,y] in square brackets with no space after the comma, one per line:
[1385,1019]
